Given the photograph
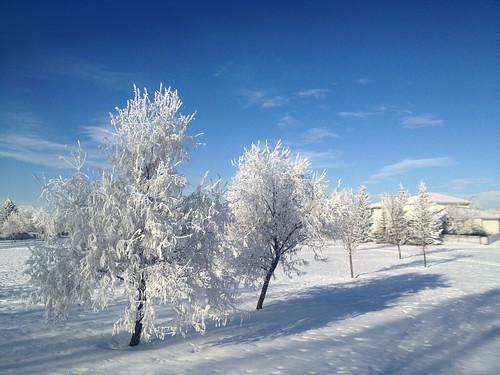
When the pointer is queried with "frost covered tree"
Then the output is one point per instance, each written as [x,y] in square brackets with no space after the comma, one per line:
[134,228]
[350,219]
[425,225]
[396,229]
[460,220]
[364,213]
[275,201]
[381,232]
[18,224]
[7,208]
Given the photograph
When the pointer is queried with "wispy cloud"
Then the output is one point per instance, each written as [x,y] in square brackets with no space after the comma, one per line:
[98,133]
[320,134]
[472,181]
[376,111]
[82,69]
[37,150]
[314,93]
[313,136]
[322,159]
[19,121]
[422,121]
[262,99]
[276,101]
[19,139]
[363,81]
[266,99]
[28,138]
[489,200]
[462,183]
[252,97]
[222,71]
[410,164]
[357,114]
[289,121]
[32,149]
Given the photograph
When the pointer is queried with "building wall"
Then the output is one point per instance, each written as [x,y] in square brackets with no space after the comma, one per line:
[491,226]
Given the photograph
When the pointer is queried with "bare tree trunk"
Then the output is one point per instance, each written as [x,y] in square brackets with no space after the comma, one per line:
[136,336]
[425,258]
[399,251]
[269,274]
[350,263]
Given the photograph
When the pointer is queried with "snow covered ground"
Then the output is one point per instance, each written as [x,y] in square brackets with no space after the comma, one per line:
[395,317]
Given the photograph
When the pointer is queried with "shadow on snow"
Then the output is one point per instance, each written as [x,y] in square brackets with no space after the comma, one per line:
[419,263]
[315,308]
[459,337]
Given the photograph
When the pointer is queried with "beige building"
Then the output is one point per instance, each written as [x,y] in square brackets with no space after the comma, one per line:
[490,222]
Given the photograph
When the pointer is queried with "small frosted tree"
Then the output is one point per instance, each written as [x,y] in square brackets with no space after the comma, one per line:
[19,223]
[350,219]
[364,213]
[460,220]
[275,202]
[8,208]
[381,233]
[425,225]
[135,228]
[396,231]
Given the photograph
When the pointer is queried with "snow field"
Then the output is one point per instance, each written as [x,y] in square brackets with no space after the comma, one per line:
[394,317]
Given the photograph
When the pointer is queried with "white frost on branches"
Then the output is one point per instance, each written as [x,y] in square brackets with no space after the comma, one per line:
[460,220]
[425,225]
[6,209]
[349,219]
[15,223]
[396,221]
[275,201]
[135,230]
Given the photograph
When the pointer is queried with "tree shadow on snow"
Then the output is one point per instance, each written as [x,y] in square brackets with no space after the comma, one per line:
[30,346]
[429,250]
[457,336]
[465,329]
[320,306]
[418,263]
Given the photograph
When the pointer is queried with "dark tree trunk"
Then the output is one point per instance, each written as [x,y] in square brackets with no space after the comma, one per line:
[399,251]
[350,263]
[269,274]
[425,258]
[136,336]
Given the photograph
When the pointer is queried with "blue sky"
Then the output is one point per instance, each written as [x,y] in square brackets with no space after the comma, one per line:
[375,92]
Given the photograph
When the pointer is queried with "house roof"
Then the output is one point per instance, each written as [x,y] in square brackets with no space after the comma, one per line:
[436,198]
[489,216]
[439,198]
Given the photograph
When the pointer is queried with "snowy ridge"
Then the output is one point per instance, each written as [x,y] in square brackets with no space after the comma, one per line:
[394,317]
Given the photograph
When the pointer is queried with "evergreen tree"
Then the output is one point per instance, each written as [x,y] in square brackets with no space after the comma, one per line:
[425,225]
[7,209]
[394,209]
[364,214]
